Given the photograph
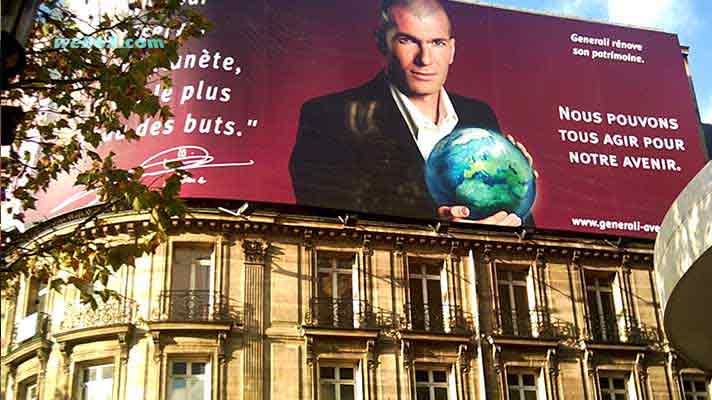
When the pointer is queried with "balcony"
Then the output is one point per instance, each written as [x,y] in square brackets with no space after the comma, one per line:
[531,324]
[29,338]
[31,327]
[115,311]
[196,306]
[619,329]
[442,319]
[340,313]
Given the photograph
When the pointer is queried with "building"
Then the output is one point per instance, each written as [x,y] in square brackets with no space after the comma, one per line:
[291,306]
[683,263]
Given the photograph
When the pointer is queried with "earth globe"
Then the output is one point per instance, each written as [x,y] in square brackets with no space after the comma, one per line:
[481,169]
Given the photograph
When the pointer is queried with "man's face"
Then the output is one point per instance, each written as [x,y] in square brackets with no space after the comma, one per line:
[420,51]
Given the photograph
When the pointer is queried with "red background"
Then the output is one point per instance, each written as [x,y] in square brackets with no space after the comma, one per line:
[521,64]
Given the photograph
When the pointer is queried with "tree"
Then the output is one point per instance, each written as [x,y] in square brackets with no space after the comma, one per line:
[71,96]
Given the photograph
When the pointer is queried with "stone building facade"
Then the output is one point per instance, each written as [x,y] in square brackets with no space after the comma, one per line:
[277,306]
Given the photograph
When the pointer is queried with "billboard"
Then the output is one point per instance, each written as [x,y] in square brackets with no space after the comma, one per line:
[544,121]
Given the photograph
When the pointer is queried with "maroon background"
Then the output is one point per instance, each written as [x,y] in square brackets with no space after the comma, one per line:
[519,63]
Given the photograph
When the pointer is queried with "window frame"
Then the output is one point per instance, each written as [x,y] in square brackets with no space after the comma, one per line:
[628,390]
[696,394]
[536,388]
[81,371]
[208,374]
[355,381]
[431,384]
[334,272]
[422,275]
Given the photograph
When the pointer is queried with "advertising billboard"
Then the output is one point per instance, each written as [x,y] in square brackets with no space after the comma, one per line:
[494,116]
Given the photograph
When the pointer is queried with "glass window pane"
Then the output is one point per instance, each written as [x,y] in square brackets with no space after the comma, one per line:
[433,268]
[347,392]
[435,299]
[514,394]
[328,391]
[603,382]
[618,383]
[440,393]
[620,397]
[326,373]
[197,389]
[421,376]
[178,388]
[179,368]
[346,373]
[422,393]
[519,275]
[202,275]
[528,379]
[687,384]
[108,372]
[416,291]
[197,368]
[346,261]
[325,290]
[512,379]
[439,376]
[530,395]
[345,284]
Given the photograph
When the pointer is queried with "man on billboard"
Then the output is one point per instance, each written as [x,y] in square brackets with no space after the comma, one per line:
[365,149]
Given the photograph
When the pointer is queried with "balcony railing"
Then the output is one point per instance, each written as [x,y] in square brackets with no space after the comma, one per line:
[340,313]
[531,324]
[31,327]
[619,329]
[196,306]
[440,319]
[116,310]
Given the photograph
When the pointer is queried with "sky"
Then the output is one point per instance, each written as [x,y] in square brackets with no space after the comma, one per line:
[690,19]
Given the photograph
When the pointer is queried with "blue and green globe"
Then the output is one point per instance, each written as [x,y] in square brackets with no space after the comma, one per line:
[480,169]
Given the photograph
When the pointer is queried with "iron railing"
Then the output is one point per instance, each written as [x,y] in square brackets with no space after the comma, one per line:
[619,329]
[439,319]
[196,306]
[531,324]
[340,313]
[116,310]
[33,326]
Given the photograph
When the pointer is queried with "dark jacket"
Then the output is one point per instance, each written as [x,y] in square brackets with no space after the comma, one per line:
[354,151]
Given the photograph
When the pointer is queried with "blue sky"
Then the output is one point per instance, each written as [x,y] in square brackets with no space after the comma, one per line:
[690,19]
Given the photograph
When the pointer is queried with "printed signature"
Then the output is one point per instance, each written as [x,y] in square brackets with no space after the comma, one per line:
[188,157]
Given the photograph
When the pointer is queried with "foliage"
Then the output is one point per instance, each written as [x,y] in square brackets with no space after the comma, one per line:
[72,96]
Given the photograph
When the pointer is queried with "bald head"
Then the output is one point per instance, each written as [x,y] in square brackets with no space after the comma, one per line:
[420,8]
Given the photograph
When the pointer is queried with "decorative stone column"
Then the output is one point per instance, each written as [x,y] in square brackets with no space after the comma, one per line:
[255,252]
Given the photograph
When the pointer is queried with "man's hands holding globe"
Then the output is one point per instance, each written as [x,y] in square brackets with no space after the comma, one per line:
[478,176]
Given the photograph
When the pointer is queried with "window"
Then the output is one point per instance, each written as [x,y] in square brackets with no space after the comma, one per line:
[428,290]
[335,305]
[521,386]
[613,387]
[28,390]
[695,388]
[97,382]
[191,293]
[37,297]
[337,382]
[32,322]
[514,302]
[189,380]
[601,308]
[431,384]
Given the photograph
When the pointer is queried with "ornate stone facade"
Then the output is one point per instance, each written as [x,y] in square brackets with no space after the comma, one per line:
[300,307]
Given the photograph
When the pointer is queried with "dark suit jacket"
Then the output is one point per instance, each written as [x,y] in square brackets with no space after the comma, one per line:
[354,151]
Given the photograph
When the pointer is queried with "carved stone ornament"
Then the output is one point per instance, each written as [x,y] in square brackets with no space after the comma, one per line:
[254,251]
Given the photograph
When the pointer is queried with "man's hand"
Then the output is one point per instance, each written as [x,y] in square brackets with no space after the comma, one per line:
[460,213]
[525,152]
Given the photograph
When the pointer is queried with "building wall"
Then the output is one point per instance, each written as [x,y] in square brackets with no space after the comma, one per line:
[262,336]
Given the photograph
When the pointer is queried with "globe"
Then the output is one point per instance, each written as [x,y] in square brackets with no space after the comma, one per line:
[481,169]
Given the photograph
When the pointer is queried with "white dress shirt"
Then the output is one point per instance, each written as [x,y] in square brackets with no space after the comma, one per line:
[425,133]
